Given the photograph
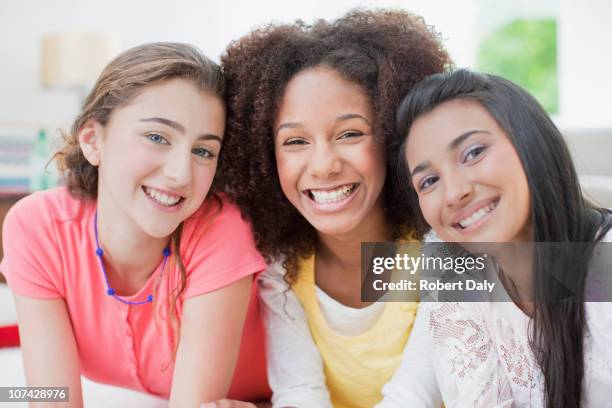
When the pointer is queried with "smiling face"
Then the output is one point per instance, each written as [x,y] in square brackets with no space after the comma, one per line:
[469,179]
[157,156]
[330,165]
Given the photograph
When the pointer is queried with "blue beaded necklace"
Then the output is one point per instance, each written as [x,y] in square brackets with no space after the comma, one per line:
[110,291]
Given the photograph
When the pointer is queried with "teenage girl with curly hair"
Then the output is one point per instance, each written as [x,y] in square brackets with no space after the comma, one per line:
[310,130]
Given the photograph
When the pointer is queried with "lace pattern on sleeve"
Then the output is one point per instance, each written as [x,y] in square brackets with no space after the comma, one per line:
[483,362]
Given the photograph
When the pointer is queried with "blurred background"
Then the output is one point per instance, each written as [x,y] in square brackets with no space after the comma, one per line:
[559,49]
[53,51]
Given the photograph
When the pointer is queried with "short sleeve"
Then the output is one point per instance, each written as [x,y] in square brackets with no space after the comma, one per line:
[31,262]
[220,248]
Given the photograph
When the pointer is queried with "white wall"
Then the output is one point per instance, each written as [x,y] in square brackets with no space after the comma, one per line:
[585,63]
[207,24]
[584,50]
[23,22]
[494,14]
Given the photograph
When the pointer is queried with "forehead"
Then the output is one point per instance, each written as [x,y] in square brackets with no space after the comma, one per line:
[322,92]
[451,117]
[176,99]
[434,130]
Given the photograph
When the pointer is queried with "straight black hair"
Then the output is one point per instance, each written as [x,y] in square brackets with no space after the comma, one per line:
[559,214]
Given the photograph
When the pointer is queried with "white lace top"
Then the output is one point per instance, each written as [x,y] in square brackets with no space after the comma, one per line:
[479,356]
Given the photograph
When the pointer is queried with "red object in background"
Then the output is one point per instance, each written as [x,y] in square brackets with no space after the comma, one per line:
[250,381]
[9,336]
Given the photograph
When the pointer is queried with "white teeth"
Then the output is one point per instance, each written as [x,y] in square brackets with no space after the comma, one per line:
[162,198]
[477,215]
[324,197]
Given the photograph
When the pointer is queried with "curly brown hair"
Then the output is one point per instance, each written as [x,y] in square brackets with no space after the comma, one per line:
[385,51]
[119,83]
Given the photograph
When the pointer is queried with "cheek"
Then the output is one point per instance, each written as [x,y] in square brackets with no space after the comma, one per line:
[523,197]
[508,169]
[204,176]
[503,165]
[127,152]
[143,159]
[492,170]
[507,172]
[520,181]
[371,160]
[430,207]
[288,172]
[121,165]
[202,180]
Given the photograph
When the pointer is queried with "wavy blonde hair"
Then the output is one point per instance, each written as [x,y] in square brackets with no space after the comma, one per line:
[120,82]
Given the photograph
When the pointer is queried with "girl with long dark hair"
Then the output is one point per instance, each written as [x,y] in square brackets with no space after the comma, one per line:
[484,163]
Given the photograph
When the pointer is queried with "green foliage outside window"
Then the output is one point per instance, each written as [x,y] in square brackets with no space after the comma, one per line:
[525,52]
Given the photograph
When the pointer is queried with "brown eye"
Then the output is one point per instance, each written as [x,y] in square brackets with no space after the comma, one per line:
[473,152]
[350,134]
[294,142]
[427,182]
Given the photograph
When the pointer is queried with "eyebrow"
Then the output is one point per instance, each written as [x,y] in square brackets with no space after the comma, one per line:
[170,123]
[419,168]
[180,128]
[462,137]
[288,125]
[348,116]
[451,146]
[352,116]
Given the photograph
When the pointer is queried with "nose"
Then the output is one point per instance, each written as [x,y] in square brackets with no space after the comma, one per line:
[177,168]
[324,161]
[457,189]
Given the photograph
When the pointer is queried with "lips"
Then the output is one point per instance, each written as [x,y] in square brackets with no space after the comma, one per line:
[331,195]
[474,213]
[163,197]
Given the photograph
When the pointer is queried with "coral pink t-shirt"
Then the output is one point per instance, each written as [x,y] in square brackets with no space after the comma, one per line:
[49,252]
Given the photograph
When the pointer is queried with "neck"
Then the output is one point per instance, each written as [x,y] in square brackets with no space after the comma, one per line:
[338,258]
[344,250]
[128,251]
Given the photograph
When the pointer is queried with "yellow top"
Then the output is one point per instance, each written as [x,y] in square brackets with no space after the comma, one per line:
[356,367]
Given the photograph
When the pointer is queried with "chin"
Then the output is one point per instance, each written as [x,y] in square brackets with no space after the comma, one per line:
[333,228]
[157,231]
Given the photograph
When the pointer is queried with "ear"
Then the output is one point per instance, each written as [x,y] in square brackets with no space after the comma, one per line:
[90,138]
